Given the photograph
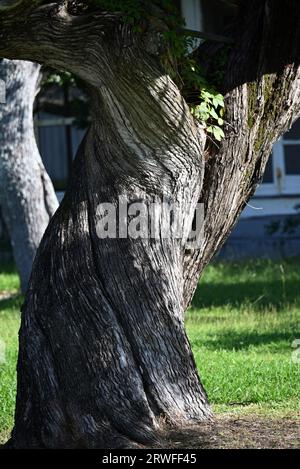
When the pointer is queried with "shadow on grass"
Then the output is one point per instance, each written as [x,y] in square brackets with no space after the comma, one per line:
[13,302]
[7,268]
[233,340]
[259,294]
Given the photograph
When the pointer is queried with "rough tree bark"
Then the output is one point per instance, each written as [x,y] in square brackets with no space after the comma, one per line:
[103,350]
[27,197]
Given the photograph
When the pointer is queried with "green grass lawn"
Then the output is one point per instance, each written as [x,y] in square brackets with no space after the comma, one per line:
[241,325]
[9,325]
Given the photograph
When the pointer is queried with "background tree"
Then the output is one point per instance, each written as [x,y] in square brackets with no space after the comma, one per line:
[103,350]
[27,197]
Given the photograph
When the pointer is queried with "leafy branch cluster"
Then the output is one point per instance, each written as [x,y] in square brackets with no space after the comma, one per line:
[206,103]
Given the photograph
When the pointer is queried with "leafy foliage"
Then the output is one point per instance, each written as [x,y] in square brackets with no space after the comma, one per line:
[205,101]
[210,106]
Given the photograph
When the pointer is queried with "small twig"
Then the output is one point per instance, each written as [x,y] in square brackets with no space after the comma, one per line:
[212,140]
[254,208]
[257,299]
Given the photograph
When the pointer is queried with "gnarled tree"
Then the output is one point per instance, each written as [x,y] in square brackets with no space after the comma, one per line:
[103,350]
[27,196]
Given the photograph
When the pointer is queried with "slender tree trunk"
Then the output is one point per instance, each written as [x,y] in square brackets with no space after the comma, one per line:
[27,197]
[103,350]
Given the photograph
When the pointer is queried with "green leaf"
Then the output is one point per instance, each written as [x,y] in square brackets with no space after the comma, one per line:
[214,114]
[218,133]
[218,100]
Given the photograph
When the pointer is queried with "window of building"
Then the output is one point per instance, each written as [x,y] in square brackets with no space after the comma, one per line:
[58,139]
[282,175]
[269,173]
[57,131]
[208,16]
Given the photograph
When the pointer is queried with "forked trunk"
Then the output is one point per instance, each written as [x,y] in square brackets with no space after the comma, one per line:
[103,351]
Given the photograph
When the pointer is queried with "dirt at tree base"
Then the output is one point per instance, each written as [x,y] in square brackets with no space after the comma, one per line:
[232,431]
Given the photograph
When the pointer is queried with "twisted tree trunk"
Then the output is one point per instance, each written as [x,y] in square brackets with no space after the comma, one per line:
[103,351]
[27,197]
[107,313]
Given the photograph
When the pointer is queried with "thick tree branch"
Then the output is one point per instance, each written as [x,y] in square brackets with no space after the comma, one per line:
[261,84]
